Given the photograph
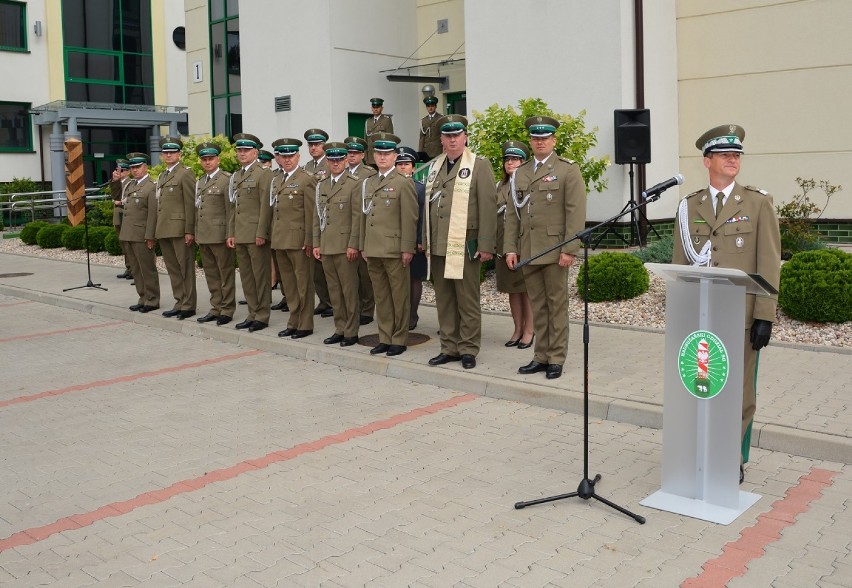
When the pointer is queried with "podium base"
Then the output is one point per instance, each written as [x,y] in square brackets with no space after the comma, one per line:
[700,509]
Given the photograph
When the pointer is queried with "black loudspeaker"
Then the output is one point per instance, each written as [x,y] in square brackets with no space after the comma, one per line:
[633,136]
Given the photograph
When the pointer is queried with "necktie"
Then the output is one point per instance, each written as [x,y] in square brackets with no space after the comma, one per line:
[163,177]
[536,166]
[208,180]
[719,203]
[284,177]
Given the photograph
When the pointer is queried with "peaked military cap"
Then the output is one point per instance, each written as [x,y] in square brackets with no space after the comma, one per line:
[452,124]
[377,101]
[722,139]
[122,163]
[385,142]
[244,140]
[355,144]
[265,155]
[170,144]
[336,150]
[316,136]
[286,146]
[405,154]
[515,149]
[207,149]
[541,126]
[430,100]
[136,158]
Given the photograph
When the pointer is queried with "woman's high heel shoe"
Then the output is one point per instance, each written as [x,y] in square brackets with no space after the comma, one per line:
[512,342]
[522,345]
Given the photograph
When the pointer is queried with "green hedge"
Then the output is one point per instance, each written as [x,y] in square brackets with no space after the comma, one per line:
[74,238]
[815,286]
[97,238]
[111,243]
[30,231]
[50,237]
[614,276]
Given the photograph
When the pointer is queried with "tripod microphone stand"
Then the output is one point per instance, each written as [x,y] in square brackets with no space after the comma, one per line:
[586,489]
[636,212]
[89,283]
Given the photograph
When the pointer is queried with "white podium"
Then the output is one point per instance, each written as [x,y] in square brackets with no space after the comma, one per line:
[702,399]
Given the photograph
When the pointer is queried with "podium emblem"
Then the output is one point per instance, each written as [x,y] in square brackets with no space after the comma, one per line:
[703,364]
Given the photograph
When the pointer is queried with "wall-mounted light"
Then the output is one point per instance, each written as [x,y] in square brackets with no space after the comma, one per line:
[37,28]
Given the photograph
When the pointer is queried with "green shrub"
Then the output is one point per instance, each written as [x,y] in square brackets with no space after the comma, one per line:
[100,213]
[614,276]
[74,238]
[30,231]
[97,238]
[815,286]
[50,237]
[111,244]
[657,252]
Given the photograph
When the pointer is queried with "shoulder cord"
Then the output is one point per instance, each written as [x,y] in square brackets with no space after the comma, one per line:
[322,214]
[273,198]
[197,194]
[365,208]
[697,259]
[232,196]
[522,203]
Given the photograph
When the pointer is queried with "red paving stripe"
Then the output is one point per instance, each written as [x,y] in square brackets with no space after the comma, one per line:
[129,378]
[752,543]
[78,521]
[61,331]
[15,303]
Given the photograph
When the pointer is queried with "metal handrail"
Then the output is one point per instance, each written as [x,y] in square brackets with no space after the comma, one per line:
[33,204]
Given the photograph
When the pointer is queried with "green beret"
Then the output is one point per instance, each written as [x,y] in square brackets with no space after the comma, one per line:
[246,140]
[355,144]
[722,139]
[170,144]
[452,124]
[136,158]
[541,126]
[286,146]
[336,150]
[385,142]
[515,149]
[377,101]
[316,136]
[207,149]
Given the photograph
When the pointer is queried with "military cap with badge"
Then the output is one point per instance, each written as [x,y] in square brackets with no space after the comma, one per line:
[286,146]
[247,141]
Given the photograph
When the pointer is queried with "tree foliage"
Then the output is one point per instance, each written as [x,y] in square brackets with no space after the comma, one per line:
[798,232]
[227,158]
[499,124]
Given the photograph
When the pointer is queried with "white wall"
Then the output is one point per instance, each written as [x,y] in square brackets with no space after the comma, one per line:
[176,69]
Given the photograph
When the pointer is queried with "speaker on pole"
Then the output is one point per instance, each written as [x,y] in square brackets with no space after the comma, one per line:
[633,136]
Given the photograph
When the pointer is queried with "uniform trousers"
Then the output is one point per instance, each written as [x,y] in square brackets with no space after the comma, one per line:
[459,312]
[123,248]
[365,289]
[180,263]
[341,275]
[392,291]
[143,266]
[547,286]
[320,285]
[218,262]
[297,279]
[255,266]
[749,393]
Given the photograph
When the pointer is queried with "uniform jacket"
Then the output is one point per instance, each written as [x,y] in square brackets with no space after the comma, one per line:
[504,207]
[555,211]
[250,215]
[363,172]
[744,237]
[390,227]
[140,211]
[293,213]
[116,191]
[384,124]
[176,203]
[212,207]
[320,171]
[342,205]
[481,207]
[430,136]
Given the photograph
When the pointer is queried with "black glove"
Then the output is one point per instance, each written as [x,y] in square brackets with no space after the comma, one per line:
[760,332]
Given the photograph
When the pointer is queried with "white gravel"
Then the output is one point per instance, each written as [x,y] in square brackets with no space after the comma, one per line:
[647,310]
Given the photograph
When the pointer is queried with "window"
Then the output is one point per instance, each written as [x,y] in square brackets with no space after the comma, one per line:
[225,67]
[16,129]
[13,26]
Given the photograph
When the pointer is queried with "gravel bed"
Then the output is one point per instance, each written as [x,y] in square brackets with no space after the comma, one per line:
[647,310]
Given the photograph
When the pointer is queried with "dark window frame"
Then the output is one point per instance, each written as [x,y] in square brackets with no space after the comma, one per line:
[28,148]
[227,54]
[22,6]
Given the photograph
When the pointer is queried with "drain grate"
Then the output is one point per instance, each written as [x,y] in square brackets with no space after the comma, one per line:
[18,275]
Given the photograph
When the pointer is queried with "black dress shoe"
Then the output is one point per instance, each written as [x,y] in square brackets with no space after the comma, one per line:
[396,350]
[522,345]
[511,343]
[532,367]
[128,276]
[380,348]
[171,313]
[412,326]
[243,325]
[223,320]
[207,318]
[336,338]
[365,320]
[148,308]
[742,474]
[320,309]
[348,341]
[257,326]
[443,358]
[280,306]
[243,302]
[136,307]
[328,312]
[468,361]
[286,332]
[553,371]
[301,334]
[123,276]
[185,314]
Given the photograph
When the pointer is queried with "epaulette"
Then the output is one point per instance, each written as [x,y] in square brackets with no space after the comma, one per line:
[566,160]
[758,190]
[187,168]
[353,176]
[224,173]
[694,193]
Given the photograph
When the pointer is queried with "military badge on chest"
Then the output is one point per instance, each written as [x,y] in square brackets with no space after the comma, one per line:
[740,242]
[464,173]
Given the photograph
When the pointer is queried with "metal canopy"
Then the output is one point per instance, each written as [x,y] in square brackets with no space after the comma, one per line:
[95,114]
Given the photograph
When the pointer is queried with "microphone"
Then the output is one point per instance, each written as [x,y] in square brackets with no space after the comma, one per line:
[661,187]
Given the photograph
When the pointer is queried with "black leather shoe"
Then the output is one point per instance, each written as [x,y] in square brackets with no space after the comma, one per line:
[443,358]
[511,343]
[532,367]
[468,361]
[396,350]
[123,276]
[129,276]
[243,325]
[185,314]
[553,371]
[336,338]
[320,309]
[412,325]
[742,474]
[286,332]
[223,320]
[301,334]
[522,345]
[380,348]
[348,341]
[136,307]
[148,308]
[257,326]
[280,306]
[365,320]
[243,302]
[328,312]
[207,318]
[171,313]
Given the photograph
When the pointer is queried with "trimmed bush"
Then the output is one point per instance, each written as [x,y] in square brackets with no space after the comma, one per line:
[74,238]
[657,252]
[815,286]
[30,231]
[50,237]
[614,276]
[97,238]
[111,244]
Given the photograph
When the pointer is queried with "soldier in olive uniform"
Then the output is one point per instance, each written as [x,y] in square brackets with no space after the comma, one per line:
[249,220]
[120,179]
[292,201]
[430,131]
[375,125]
[388,240]
[265,158]
[318,166]
[176,227]
[732,226]
[137,233]
[337,223]
[211,232]
[461,232]
[357,148]
[549,197]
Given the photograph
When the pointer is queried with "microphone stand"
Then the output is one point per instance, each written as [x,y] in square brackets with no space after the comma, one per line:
[586,489]
[89,283]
